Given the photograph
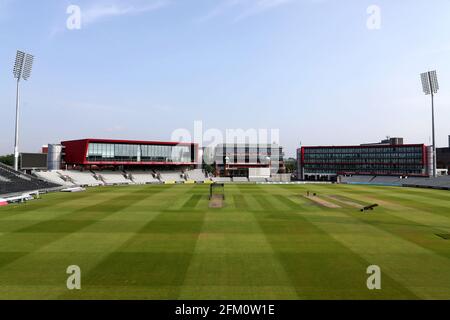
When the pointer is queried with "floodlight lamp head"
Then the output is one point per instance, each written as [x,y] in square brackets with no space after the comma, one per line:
[18,65]
[429,82]
[425,83]
[434,81]
[23,66]
[28,66]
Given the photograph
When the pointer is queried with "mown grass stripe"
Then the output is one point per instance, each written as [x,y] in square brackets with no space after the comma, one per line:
[192,202]
[270,249]
[288,202]
[314,274]
[125,267]
[380,247]
[212,264]
[47,227]
[240,202]
[264,201]
[51,203]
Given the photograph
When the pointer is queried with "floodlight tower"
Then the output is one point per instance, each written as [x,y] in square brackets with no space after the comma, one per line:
[431,86]
[22,70]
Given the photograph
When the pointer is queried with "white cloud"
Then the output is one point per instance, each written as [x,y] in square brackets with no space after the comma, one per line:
[102,10]
[262,6]
[220,9]
[99,10]
[247,8]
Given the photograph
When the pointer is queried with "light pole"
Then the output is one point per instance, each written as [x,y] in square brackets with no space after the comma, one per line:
[431,86]
[22,70]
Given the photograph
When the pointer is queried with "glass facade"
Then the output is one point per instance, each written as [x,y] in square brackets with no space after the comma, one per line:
[248,154]
[377,160]
[122,152]
[235,159]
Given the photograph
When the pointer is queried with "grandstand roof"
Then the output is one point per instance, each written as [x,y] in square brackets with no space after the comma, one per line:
[96,140]
[365,146]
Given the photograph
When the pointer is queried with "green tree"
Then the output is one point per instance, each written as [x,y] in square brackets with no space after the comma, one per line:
[208,168]
[291,165]
[7,159]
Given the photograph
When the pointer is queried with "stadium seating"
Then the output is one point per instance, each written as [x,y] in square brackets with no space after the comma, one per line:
[221,179]
[113,177]
[280,177]
[240,179]
[357,179]
[386,180]
[196,175]
[13,181]
[171,176]
[54,177]
[415,181]
[81,178]
[257,179]
[143,177]
[442,182]
[374,180]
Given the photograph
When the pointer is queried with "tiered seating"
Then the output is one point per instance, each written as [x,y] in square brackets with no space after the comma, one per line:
[280,177]
[240,179]
[196,175]
[442,182]
[257,179]
[415,181]
[81,178]
[143,177]
[54,177]
[113,177]
[357,179]
[13,181]
[445,181]
[387,180]
[171,176]
[221,179]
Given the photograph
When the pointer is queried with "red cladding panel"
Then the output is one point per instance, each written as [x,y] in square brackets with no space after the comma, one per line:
[75,151]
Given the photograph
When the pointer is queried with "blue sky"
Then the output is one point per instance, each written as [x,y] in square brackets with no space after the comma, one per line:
[139,69]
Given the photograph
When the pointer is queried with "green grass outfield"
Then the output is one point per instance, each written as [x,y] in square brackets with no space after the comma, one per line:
[268,242]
